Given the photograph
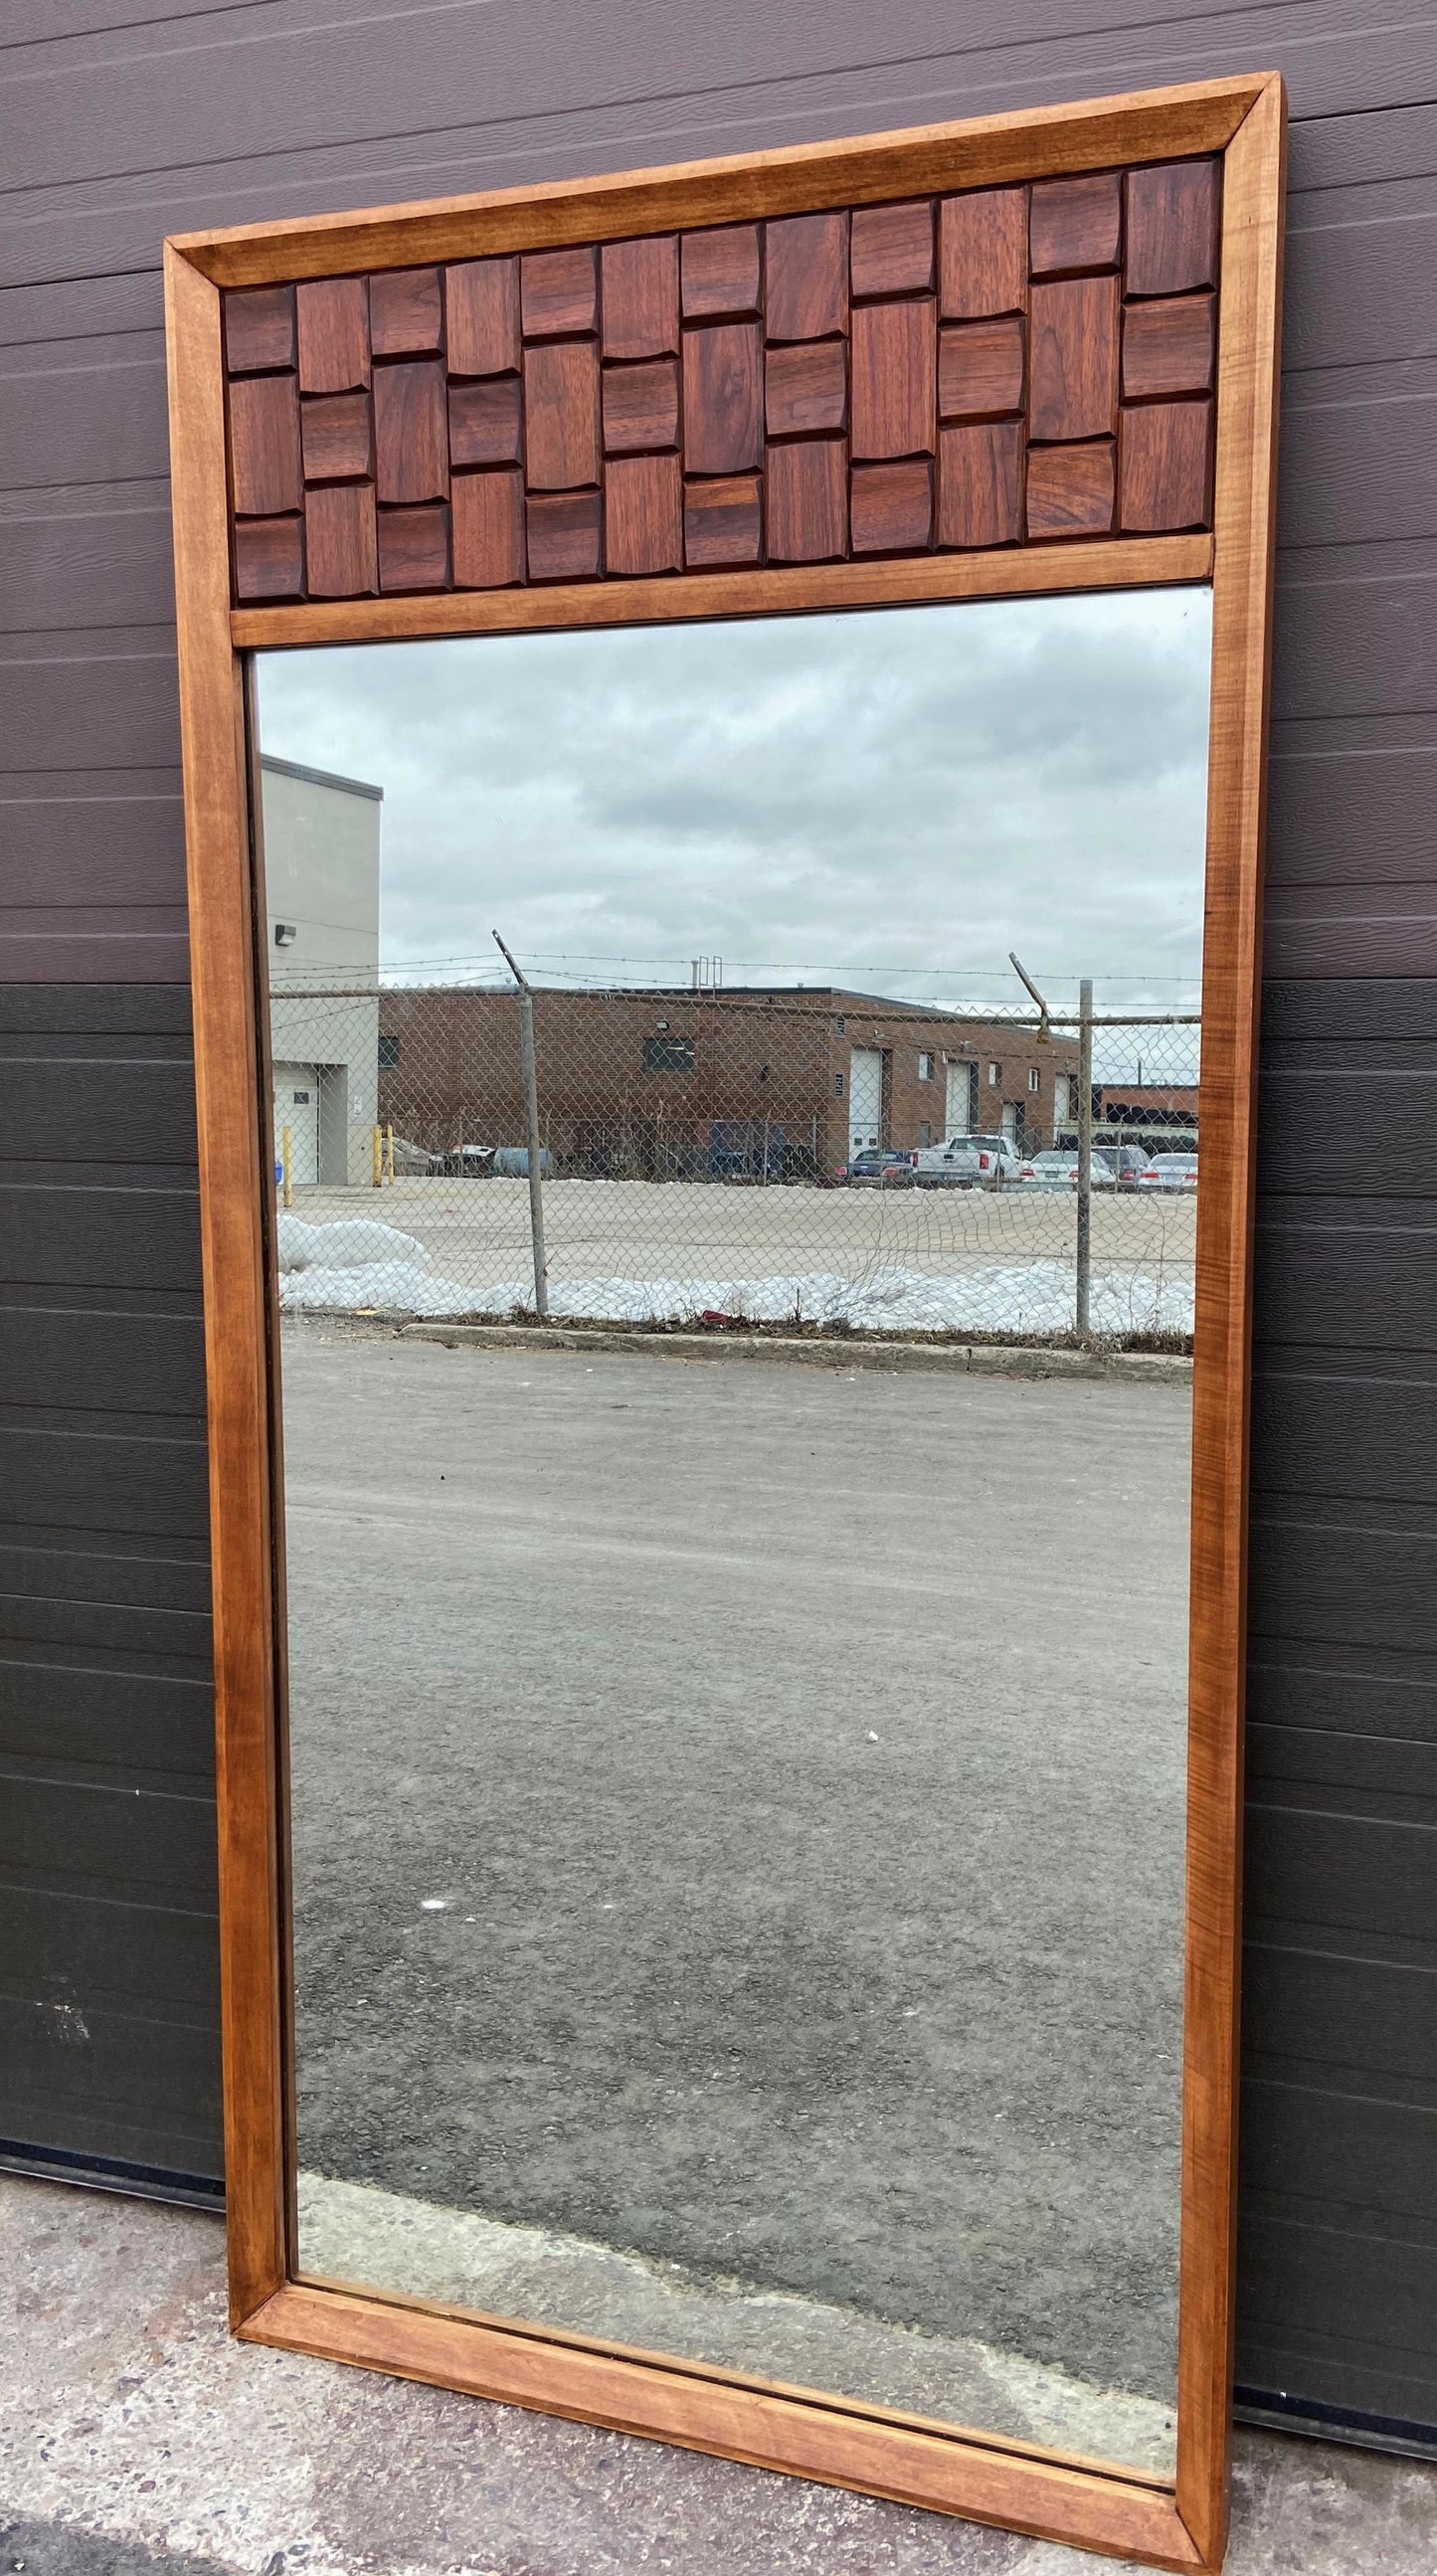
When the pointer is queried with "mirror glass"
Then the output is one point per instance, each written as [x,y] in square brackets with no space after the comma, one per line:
[736,1399]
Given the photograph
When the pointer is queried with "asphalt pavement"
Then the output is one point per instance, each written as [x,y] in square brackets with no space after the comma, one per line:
[738,1821]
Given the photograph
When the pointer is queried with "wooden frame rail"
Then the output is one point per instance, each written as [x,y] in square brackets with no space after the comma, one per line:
[596,403]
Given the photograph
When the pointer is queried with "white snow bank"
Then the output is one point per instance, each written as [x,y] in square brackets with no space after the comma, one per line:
[1034,1297]
[353,1243]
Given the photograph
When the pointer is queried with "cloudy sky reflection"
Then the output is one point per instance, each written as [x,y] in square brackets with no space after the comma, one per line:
[887,799]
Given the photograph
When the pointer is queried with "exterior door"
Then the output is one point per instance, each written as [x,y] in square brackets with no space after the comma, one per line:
[1013,1120]
[296,1106]
[959,1106]
[865,1098]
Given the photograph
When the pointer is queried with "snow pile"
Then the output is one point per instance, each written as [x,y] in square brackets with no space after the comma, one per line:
[1034,1297]
[354,1243]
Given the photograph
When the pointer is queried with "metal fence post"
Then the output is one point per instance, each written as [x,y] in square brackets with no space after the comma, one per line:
[1084,1262]
[531,1119]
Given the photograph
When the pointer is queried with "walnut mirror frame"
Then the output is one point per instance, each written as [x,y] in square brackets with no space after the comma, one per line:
[404,512]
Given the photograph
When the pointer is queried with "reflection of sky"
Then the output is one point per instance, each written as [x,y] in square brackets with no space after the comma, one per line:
[890,800]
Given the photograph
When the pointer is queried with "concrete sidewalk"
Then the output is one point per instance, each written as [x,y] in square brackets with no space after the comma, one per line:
[136,2436]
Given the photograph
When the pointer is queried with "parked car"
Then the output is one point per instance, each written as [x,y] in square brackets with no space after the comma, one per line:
[1056,1168]
[1126,1161]
[878,1163]
[967,1163]
[469,1162]
[409,1159]
[1169,1172]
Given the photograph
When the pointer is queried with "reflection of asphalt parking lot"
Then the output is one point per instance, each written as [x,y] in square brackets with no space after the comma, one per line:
[792,1763]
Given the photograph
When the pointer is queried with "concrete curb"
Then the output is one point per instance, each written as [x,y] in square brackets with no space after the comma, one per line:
[968,1359]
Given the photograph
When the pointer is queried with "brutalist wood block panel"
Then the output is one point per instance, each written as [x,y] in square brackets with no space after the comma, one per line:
[808,501]
[563,536]
[1169,347]
[481,298]
[641,406]
[723,405]
[893,249]
[983,254]
[895,348]
[484,422]
[411,433]
[806,388]
[414,548]
[487,512]
[1073,358]
[264,446]
[892,507]
[1070,490]
[339,540]
[259,329]
[1075,224]
[269,559]
[406,312]
[641,298]
[1172,228]
[559,291]
[561,414]
[980,485]
[643,530]
[719,271]
[806,276]
[336,437]
[1166,451]
[980,369]
[723,523]
[333,320]
[698,348]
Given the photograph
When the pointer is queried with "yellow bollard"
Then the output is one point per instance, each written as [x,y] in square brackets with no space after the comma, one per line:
[389,1155]
[286,1160]
[377,1158]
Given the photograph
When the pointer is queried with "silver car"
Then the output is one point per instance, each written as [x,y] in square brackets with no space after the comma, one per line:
[1169,1172]
[967,1163]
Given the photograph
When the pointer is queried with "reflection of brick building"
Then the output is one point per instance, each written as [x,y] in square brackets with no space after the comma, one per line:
[667,1083]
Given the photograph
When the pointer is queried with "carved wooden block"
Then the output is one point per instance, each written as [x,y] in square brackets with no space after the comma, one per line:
[719,271]
[643,515]
[806,276]
[893,249]
[891,507]
[264,445]
[723,523]
[806,388]
[641,298]
[998,367]
[895,376]
[723,398]
[808,501]
[1172,228]
[1074,224]
[487,517]
[1073,359]
[333,320]
[1070,490]
[406,313]
[980,485]
[481,299]
[983,254]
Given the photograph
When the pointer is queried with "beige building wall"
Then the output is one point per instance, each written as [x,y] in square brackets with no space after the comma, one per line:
[321,865]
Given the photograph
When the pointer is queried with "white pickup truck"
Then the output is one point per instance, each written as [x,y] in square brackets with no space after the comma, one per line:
[967,1163]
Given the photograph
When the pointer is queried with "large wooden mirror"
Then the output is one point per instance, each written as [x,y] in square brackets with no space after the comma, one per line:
[724,719]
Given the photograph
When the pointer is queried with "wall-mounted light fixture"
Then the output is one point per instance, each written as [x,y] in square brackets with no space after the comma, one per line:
[285,934]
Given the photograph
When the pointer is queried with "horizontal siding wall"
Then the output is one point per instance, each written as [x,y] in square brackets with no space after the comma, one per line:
[112,134]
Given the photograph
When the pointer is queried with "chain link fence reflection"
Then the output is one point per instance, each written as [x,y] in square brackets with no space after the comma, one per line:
[784,1158]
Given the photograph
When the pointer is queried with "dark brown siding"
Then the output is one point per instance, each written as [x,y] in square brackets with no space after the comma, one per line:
[111,133]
